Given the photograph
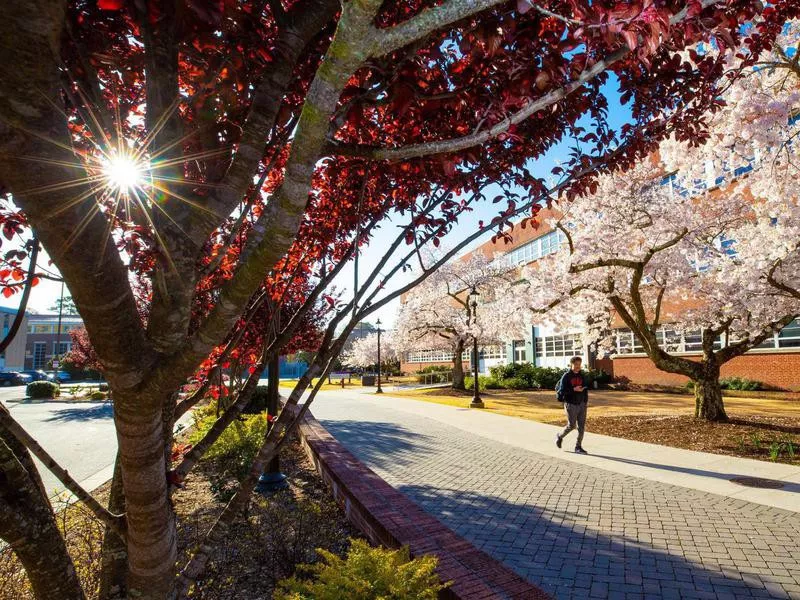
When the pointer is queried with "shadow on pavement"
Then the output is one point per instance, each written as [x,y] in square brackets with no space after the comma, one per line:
[378,441]
[554,545]
[787,487]
[84,413]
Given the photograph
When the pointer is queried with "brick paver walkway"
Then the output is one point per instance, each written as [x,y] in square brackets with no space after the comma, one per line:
[576,531]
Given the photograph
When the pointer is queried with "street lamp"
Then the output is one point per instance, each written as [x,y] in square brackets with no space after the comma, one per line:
[272,480]
[379,390]
[472,301]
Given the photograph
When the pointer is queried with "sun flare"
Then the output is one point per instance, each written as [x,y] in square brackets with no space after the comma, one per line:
[124,174]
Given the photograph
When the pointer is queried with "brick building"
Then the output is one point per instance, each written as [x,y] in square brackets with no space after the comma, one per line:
[44,341]
[775,363]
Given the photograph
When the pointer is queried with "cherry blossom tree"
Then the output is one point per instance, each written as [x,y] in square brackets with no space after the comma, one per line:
[364,352]
[437,315]
[668,263]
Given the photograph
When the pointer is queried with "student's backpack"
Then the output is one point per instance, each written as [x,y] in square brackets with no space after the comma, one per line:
[561,396]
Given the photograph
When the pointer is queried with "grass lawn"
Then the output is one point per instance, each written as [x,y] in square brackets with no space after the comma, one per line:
[761,428]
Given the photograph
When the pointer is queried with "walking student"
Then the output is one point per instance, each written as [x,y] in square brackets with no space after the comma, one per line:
[573,391]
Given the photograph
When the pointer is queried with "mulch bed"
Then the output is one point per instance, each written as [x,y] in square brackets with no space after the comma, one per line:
[763,438]
[263,547]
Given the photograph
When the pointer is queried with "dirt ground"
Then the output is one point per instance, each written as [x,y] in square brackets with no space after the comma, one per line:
[760,428]
[263,547]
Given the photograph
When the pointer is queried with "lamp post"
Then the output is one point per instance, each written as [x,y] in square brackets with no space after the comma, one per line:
[272,480]
[379,390]
[57,353]
[476,396]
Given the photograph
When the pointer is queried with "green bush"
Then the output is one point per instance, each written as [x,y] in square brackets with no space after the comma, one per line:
[599,376]
[525,376]
[258,403]
[233,452]
[517,383]
[97,395]
[484,383]
[366,574]
[103,387]
[43,389]
[740,383]
[434,369]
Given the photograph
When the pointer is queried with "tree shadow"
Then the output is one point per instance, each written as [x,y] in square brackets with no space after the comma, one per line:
[787,487]
[525,513]
[378,442]
[84,413]
[792,429]
[551,548]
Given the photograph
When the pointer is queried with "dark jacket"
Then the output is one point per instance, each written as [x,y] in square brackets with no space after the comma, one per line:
[569,381]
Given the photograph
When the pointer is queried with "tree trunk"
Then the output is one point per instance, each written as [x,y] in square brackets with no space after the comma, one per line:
[28,525]
[458,366]
[708,397]
[152,548]
[114,555]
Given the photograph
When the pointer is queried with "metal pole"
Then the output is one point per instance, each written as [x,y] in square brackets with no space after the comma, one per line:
[272,479]
[57,353]
[379,390]
[476,396]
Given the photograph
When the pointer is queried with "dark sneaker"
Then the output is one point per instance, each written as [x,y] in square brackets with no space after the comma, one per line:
[580,450]
[558,441]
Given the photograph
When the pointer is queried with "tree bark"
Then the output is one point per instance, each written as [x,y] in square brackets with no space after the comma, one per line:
[708,395]
[113,553]
[458,366]
[28,525]
[152,548]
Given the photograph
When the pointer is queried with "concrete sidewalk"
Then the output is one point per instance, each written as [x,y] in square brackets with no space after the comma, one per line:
[695,470]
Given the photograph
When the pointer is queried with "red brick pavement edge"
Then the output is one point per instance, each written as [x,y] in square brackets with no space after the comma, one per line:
[387,517]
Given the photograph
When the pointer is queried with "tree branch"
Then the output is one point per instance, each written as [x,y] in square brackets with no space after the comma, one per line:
[427,21]
[115,522]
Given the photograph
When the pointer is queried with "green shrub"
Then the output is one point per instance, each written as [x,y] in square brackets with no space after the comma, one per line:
[366,574]
[522,376]
[97,395]
[434,369]
[484,383]
[516,383]
[599,376]
[103,387]
[258,403]
[740,383]
[43,389]
[233,452]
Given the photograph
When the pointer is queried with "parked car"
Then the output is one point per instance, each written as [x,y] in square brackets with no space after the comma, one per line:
[59,376]
[9,378]
[38,375]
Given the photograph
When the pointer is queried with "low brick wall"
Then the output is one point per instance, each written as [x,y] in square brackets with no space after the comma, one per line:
[776,369]
[387,517]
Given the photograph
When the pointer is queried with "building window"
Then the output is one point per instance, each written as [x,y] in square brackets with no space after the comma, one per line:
[560,346]
[533,250]
[42,329]
[520,353]
[61,348]
[789,337]
[39,355]
[426,356]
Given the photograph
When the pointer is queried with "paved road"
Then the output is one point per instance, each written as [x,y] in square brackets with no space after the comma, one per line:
[80,436]
[576,530]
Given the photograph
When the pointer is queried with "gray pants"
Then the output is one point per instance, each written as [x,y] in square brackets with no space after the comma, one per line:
[576,414]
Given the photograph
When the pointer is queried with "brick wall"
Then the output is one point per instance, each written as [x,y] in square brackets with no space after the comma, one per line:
[390,519]
[411,368]
[776,369]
